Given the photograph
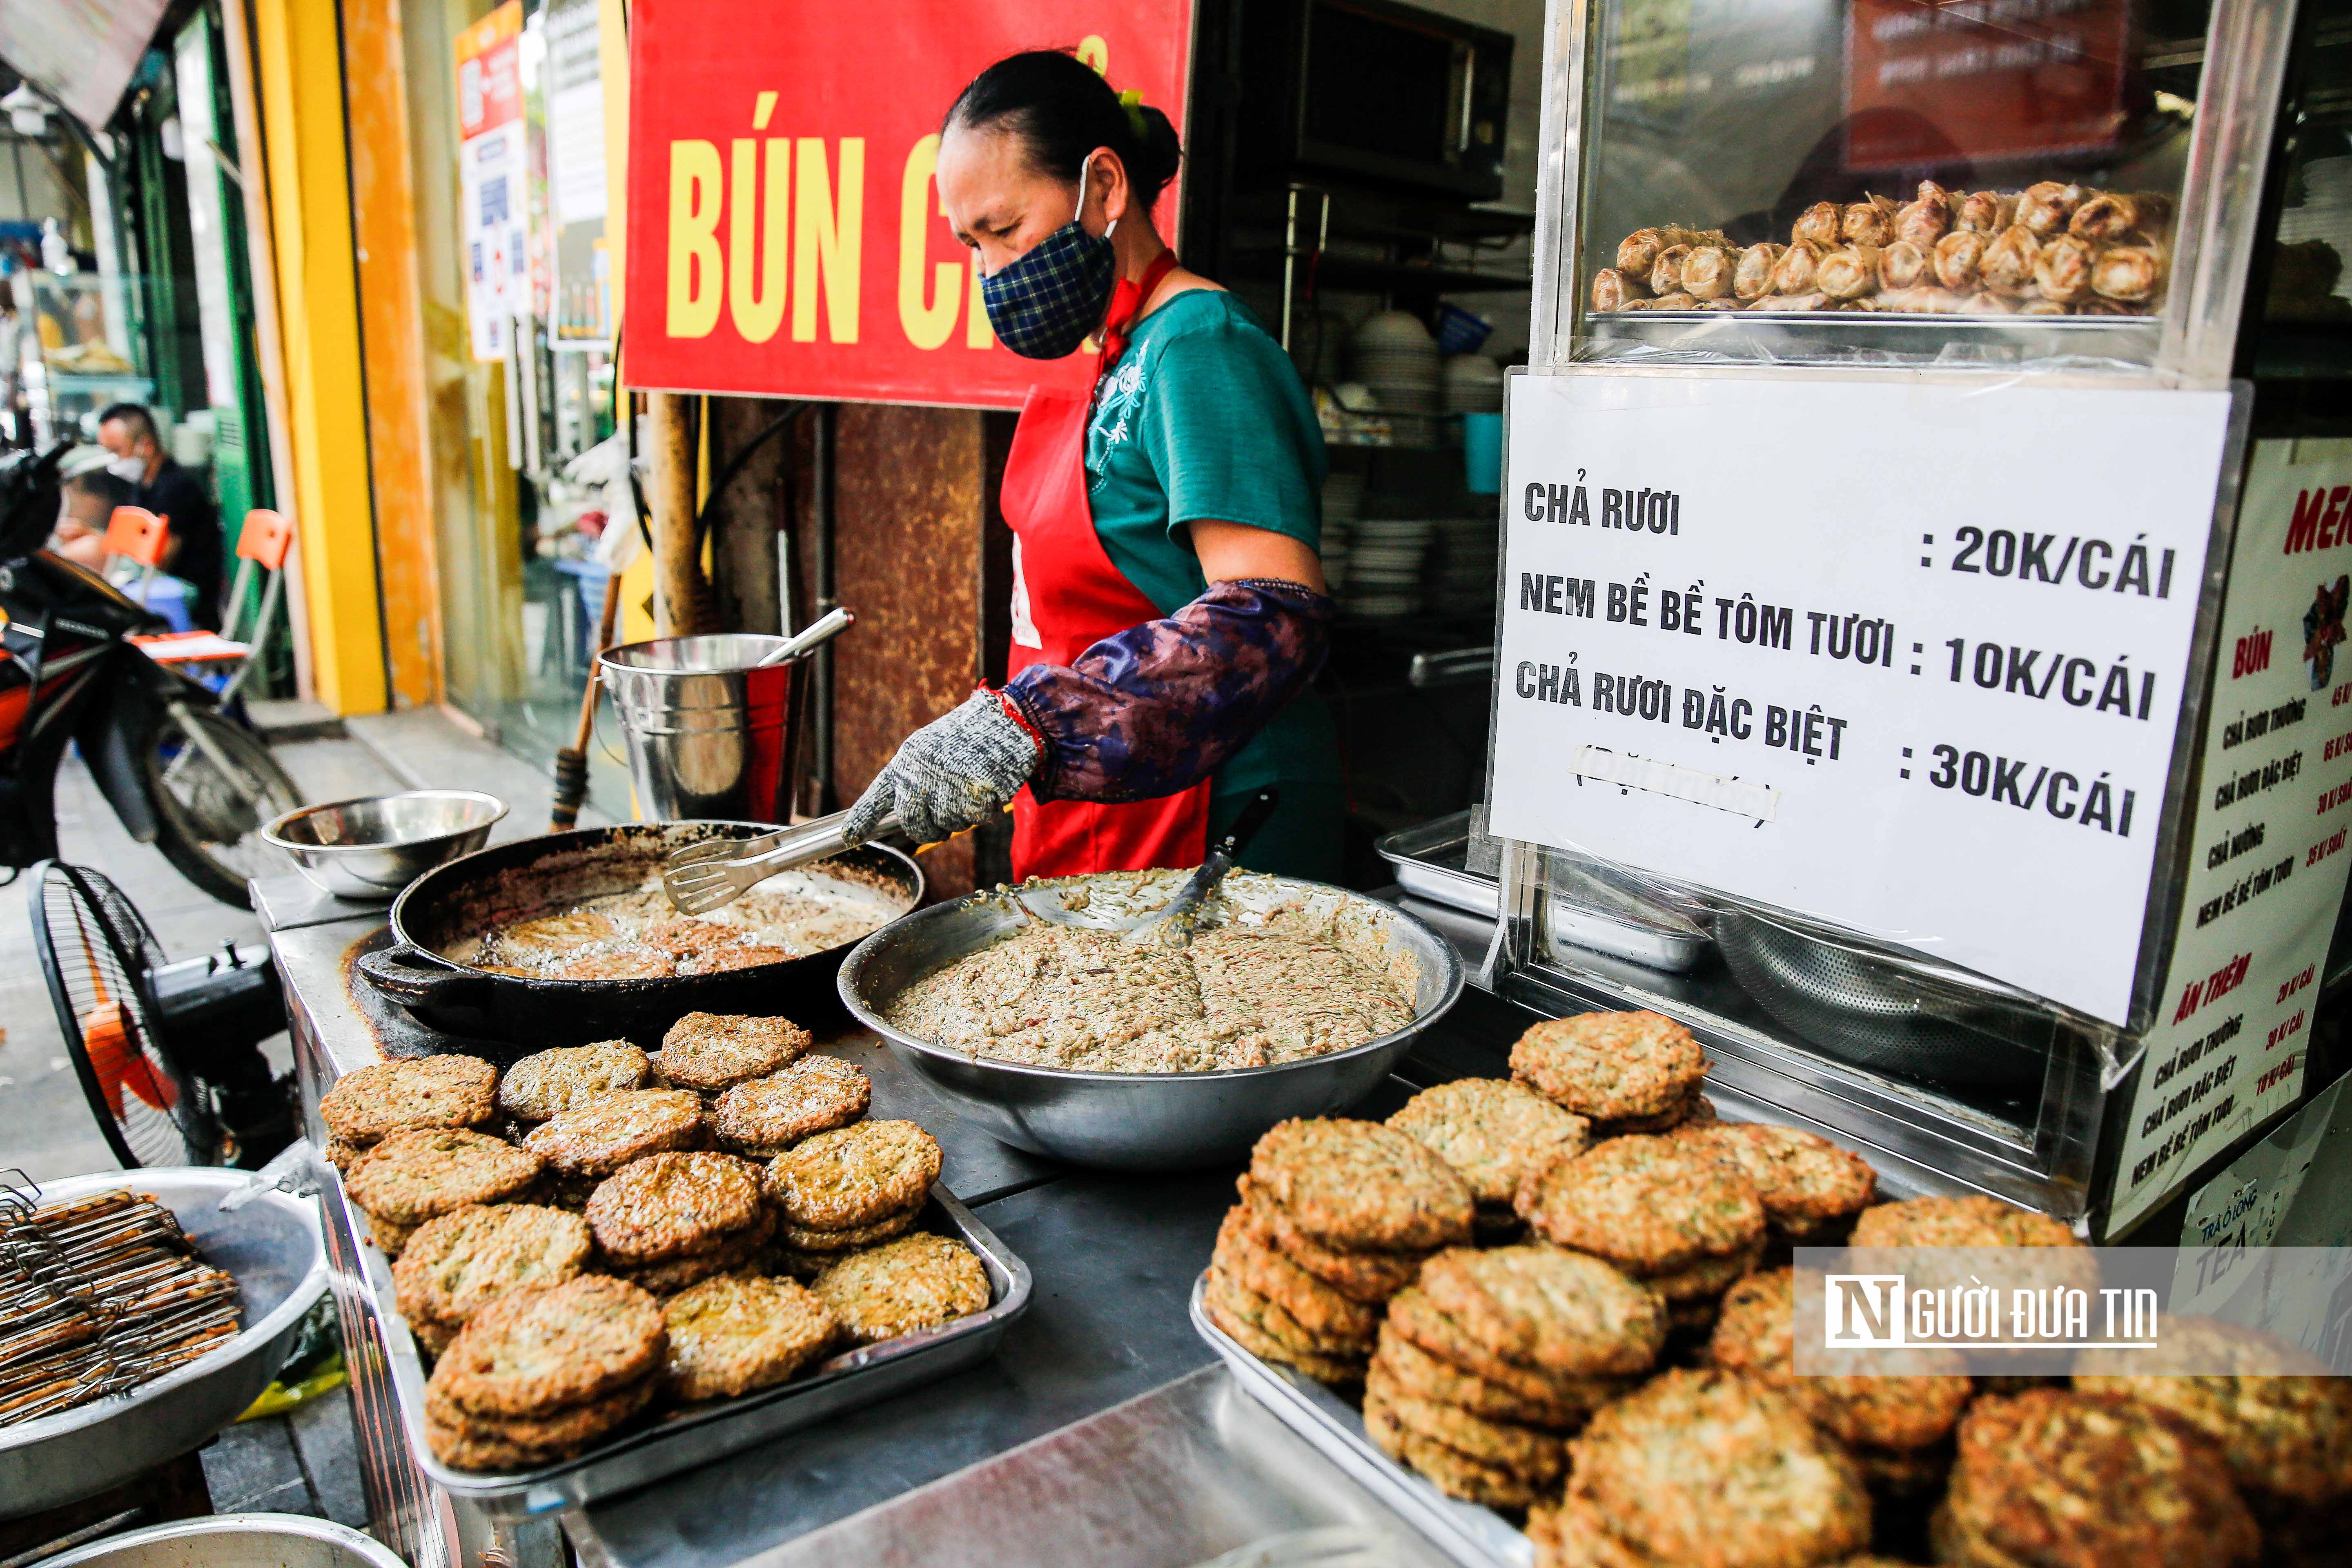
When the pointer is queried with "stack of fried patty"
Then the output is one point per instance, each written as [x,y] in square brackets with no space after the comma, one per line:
[408,1178]
[1495,1135]
[675,1219]
[538,1375]
[850,1188]
[1625,1072]
[461,1262]
[1335,1218]
[1896,1423]
[1486,1365]
[711,1052]
[371,1103]
[616,1200]
[1671,1215]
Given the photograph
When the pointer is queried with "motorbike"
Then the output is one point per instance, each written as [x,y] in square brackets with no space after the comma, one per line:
[179,773]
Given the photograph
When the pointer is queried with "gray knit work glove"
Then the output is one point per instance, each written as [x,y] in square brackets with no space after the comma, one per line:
[956,771]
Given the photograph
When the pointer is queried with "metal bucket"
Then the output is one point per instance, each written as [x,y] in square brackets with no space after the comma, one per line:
[709,735]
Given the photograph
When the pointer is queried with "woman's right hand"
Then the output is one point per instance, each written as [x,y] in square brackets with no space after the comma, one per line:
[956,771]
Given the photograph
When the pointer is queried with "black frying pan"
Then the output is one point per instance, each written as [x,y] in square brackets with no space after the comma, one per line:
[545,875]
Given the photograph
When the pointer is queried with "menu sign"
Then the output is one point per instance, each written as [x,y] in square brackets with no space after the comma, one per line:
[493,164]
[1956,80]
[1907,657]
[2273,820]
[785,235]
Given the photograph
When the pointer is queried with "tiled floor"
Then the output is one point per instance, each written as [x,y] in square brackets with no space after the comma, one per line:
[302,1463]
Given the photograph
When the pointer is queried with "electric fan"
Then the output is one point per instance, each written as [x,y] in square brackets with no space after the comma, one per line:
[165,1052]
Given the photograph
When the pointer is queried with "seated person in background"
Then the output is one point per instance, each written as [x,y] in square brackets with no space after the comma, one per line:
[128,431]
[88,500]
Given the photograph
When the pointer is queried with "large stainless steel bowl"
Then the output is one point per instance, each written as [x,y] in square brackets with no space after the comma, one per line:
[1136,1121]
[273,1246]
[372,847]
[235,1540]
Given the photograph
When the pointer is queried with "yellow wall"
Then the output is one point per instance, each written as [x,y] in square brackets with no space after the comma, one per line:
[301,88]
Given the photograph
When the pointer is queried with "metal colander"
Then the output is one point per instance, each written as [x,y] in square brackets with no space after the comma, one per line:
[1904,1015]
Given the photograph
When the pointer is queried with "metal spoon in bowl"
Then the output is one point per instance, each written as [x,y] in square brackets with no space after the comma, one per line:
[1174,922]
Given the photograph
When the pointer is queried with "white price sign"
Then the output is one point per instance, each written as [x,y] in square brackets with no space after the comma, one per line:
[2271,838]
[1905,657]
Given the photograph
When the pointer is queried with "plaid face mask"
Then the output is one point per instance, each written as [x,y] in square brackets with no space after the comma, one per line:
[1043,304]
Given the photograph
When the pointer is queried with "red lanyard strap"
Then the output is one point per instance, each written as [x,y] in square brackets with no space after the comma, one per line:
[1126,303]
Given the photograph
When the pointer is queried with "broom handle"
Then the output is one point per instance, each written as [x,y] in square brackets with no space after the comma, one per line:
[572,763]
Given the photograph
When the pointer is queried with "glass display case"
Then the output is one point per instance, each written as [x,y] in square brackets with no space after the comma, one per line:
[1973,183]
[1871,207]
[81,348]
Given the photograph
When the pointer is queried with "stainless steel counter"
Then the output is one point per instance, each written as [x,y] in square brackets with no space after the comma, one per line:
[1101,1431]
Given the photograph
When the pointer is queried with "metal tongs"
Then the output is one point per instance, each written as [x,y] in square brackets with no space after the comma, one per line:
[1173,922]
[713,874]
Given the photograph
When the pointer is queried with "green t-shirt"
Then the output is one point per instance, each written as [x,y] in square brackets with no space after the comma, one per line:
[1205,417]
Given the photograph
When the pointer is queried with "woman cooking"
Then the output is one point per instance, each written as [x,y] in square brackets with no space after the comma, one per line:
[1169,610]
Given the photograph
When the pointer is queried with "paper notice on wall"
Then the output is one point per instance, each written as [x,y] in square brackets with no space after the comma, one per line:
[493,171]
[2274,819]
[575,113]
[1913,653]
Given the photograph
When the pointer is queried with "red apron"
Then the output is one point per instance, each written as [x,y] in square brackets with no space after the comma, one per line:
[1067,597]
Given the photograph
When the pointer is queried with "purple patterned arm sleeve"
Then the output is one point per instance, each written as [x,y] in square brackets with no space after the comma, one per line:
[1156,708]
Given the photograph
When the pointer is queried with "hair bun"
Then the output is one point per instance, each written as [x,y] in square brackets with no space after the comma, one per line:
[1161,147]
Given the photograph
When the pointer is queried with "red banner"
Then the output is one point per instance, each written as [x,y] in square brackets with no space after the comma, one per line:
[784,231]
[1958,80]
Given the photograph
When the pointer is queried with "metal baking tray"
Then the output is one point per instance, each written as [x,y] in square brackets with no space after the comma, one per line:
[684,1439]
[1594,907]
[1472,1536]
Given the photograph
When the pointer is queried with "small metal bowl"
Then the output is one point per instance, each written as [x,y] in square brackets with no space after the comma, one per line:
[235,1540]
[372,847]
[1136,1120]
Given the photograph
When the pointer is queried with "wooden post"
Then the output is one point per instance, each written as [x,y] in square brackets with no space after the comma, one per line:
[677,575]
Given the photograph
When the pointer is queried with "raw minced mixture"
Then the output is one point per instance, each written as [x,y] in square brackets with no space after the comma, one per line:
[637,933]
[1241,995]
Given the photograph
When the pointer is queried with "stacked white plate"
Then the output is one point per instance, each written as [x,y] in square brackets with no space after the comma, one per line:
[1474,385]
[1386,561]
[1463,557]
[1343,497]
[1395,357]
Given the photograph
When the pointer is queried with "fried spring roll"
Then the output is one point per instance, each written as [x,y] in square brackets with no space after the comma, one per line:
[1985,212]
[2114,215]
[1674,301]
[1924,301]
[1928,218]
[1612,290]
[1793,273]
[2045,208]
[1985,302]
[1957,254]
[1818,224]
[1753,279]
[1812,301]
[1666,271]
[1638,251]
[2132,274]
[1906,264]
[1848,273]
[2094,306]
[2037,305]
[1710,270]
[2007,266]
[1723,304]
[2062,270]
[1869,221]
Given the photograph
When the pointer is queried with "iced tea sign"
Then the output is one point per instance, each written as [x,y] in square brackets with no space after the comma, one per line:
[1909,658]
[785,235]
